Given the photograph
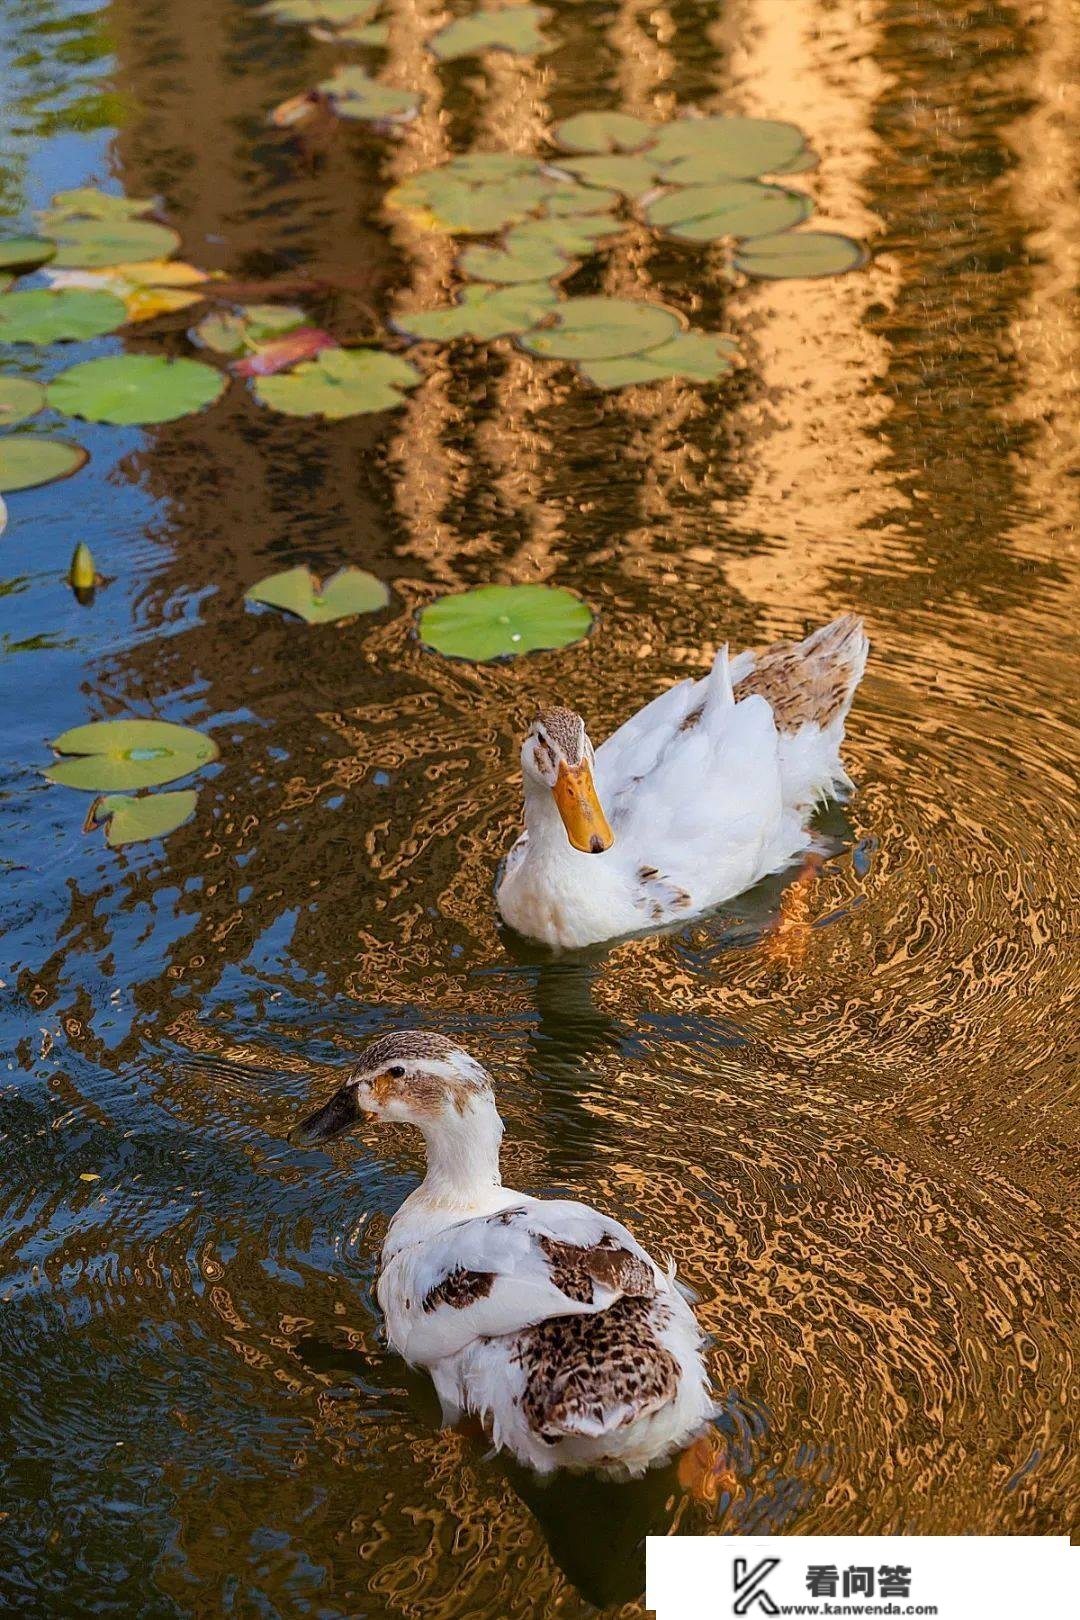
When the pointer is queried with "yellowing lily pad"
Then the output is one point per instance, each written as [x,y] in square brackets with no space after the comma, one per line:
[601,329]
[482,312]
[92,243]
[633,176]
[356,94]
[26,462]
[516,30]
[129,820]
[115,755]
[338,383]
[522,258]
[19,398]
[61,315]
[699,356]
[701,150]
[296,590]
[135,389]
[502,621]
[733,208]
[21,253]
[799,253]
[603,132]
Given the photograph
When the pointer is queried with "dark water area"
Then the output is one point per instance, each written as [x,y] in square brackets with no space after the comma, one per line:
[846,1107]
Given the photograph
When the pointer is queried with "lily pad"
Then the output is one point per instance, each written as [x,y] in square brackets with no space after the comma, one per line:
[26,462]
[522,258]
[571,234]
[60,315]
[237,331]
[603,132]
[572,200]
[133,390]
[601,329]
[515,30]
[297,590]
[351,33]
[501,621]
[19,398]
[474,197]
[483,312]
[87,202]
[733,208]
[94,242]
[20,253]
[151,815]
[633,176]
[799,253]
[700,150]
[115,755]
[338,383]
[356,94]
[699,356]
[329,11]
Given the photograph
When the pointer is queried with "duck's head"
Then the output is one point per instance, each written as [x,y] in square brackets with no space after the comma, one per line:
[412,1076]
[558,756]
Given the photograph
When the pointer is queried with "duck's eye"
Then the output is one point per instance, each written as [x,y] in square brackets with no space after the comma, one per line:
[397,1072]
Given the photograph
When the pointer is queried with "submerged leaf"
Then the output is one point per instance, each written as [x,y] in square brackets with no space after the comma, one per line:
[19,398]
[21,253]
[338,383]
[700,150]
[60,315]
[97,242]
[517,30]
[116,755]
[699,356]
[280,353]
[732,208]
[799,253]
[603,132]
[348,592]
[133,821]
[135,389]
[482,312]
[601,329]
[26,462]
[501,621]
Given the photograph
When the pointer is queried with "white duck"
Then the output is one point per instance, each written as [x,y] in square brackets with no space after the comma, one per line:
[542,1317]
[698,796]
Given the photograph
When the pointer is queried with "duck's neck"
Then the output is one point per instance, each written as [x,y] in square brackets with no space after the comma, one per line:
[547,835]
[462,1161]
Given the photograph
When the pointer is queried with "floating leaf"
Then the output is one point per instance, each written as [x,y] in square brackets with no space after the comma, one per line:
[567,199]
[25,462]
[501,621]
[482,312]
[58,315]
[134,821]
[19,398]
[87,202]
[521,258]
[601,329]
[733,208]
[231,332]
[515,30]
[353,33]
[799,253]
[148,288]
[337,12]
[221,331]
[577,233]
[20,253]
[356,94]
[115,755]
[700,356]
[297,590]
[477,196]
[340,382]
[135,389]
[280,353]
[603,132]
[700,150]
[95,242]
[82,575]
[631,175]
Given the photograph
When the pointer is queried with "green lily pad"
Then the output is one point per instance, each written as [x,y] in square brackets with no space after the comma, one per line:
[603,132]
[346,593]
[694,151]
[571,200]
[60,315]
[571,234]
[236,331]
[90,243]
[87,202]
[474,198]
[501,621]
[222,331]
[799,253]
[356,94]
[733,208]
[482,312]
[633,176]
[26,462]
[699,356]
[20,253]
[338,383]
[336,12]
[152,815]
[601,329]
[115,755]
[352,33]
[801,163]
[19,398]
[133,390]
[517,31]
[520,259]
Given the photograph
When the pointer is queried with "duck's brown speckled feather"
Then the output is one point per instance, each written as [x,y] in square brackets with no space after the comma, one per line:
[590,1374]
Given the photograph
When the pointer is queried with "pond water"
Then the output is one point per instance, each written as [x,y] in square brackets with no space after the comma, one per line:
[841,1105]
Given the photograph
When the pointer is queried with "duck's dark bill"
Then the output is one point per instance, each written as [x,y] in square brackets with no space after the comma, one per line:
[340,1114]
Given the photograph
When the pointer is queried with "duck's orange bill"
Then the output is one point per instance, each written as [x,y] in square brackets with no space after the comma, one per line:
[585,822]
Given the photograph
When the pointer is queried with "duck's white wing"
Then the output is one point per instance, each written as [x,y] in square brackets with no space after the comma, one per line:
[494,1275]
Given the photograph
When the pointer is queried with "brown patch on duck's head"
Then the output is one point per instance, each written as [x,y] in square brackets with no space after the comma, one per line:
[412,1076]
